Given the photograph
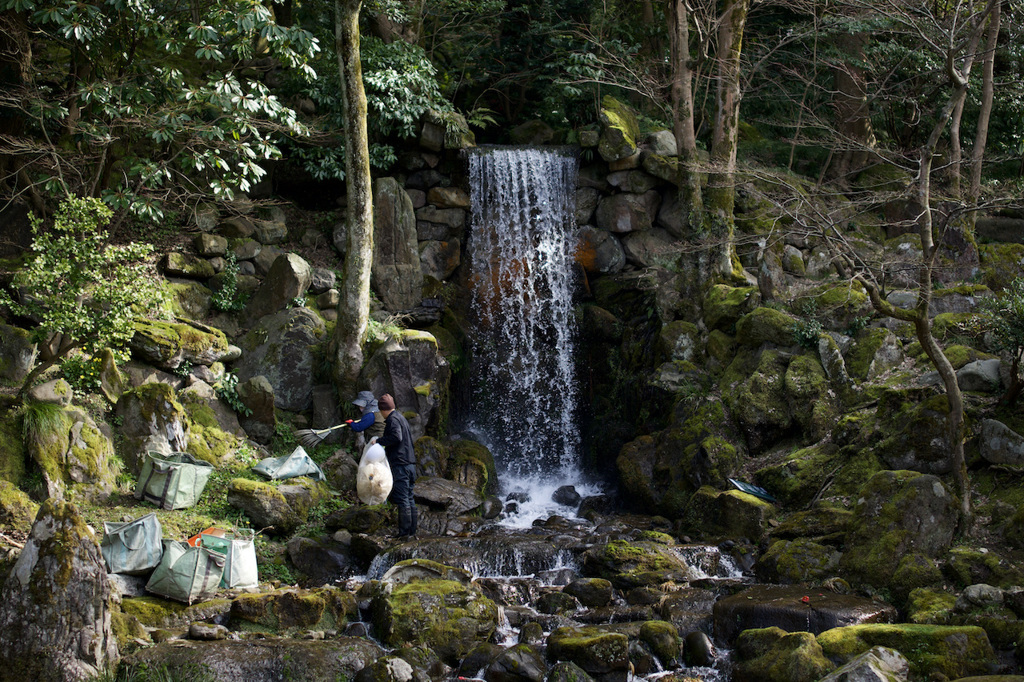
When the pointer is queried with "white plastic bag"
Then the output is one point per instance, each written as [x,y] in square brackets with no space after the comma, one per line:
[374,480]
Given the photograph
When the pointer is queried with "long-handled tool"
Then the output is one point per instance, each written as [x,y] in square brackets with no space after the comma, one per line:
[310,438]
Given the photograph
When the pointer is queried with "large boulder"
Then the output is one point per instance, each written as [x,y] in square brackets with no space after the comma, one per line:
[396,277]
[267,506]
[71,450]
[628,212]
[635,564]
[291,611]
[267,659]
[878,664]
[727,514]
[898,512]
[754,390]
[282,348]
[448,615]
[774,655]
[599,251]
[602,653]
[150,410]
[55,614]
[410,368]
[17,353]
[288,279]
[170,344]
[999,444]
[620,133]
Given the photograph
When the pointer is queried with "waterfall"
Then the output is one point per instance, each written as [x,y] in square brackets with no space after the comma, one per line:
[521,247]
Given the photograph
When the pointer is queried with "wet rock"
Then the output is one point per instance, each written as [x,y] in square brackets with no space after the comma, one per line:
[557,602]
[266,660]
[951,651]
[321,560]
[599,252]
[55,616]
[689,609]
[765,606]
[633,564]
[566,495]
[591,592]
[567,671]
[698,650]
[451,497]
[663,640]
[773,655]
[519,663]
[601,654]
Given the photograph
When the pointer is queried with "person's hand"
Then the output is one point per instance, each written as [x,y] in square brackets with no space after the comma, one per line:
[373,440]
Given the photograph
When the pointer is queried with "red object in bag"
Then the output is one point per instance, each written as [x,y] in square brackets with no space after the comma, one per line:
[196,540]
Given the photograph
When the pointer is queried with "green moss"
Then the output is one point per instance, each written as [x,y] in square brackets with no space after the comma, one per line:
[951,651]
[858,360]
[798,561]
[926,605]
[724,305]
[1000,264]
[151,611]
[207,440]
[619,116]
[969,566]
[947,326]
[721,346]
[774,655]
[46,432]
[766,325]
[12,448]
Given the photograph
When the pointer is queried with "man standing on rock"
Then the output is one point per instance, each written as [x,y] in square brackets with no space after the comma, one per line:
[397,444]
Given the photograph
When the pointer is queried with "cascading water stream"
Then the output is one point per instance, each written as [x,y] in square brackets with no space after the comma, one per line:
[523,335]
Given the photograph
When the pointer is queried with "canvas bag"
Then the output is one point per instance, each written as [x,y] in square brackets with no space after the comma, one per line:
[172,481]
[298,463]
[186,573]
[134,547]
[239,549]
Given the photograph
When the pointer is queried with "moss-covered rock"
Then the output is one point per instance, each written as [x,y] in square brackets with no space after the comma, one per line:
[914,571]
[17,510]
[898,512]
[151,409]
[758,402]
[12,448]
[729,514]
[952,651]
[875,351]
[188,299]
[293,611]
[168,344]
[970,566]
[680,340]
[926,605]
[601,653]
[264,504]
[620,133]
[724,305]
[797,561]
[1000,264]
[664,640]
[812,400]
[472,464]
[766,325]
[796,480]
[70,450]
[633,564]
[450,617]
[774,655]
[721,347]
[824,524]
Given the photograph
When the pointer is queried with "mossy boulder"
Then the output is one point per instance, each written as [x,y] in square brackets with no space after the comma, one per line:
[71,451]
[875,351]
[1000,264]
[914,571]
[17,510]
[926,605]
[590,592]
[620,132]
[17,353]
[450,617]
[680,340]
[766,325]
[12,448]
[552,603]
[633,564]
[472,464]
[730,514]
[823,523]
[952,651]
[724,305]
[774,655]
[150,410]
[188,299]
[664,641]
[721,347]
[966,566]
[810,394]
[265,506]
[169,344]
[797,561]
[915,431]
[55,611]
[603,654]
[798,478]
[284,347]
[898,512]
[758,402]
[213,428]
[293,611]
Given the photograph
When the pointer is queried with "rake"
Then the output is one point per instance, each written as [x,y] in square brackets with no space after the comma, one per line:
[310,438]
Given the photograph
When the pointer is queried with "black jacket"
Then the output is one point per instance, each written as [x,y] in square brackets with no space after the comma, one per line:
[397,440]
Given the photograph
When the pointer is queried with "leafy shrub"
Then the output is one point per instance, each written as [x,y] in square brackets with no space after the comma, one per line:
[83,373]
[228,298]
[806,333]
[227,390]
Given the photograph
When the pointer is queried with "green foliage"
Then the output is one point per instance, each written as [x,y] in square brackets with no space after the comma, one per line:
[228,298]
[160,93]
[83,373]
[227,390]
[807,332]
[1003,317]
[77,285]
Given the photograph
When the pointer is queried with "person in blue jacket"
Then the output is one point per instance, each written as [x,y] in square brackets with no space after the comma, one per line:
[397,444]
[371,422]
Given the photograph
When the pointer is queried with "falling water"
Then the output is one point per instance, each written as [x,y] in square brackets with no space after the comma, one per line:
[521,257]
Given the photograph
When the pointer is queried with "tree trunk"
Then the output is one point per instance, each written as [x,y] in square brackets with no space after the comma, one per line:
[985,113]
[354,306]
[682,111]
[721,191]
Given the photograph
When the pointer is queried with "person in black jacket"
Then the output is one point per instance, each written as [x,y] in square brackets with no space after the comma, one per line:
[397,444]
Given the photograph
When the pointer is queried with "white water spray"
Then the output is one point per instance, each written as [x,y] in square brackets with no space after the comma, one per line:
[521,246]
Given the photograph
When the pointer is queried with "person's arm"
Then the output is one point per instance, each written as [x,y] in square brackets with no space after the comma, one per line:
[365,422]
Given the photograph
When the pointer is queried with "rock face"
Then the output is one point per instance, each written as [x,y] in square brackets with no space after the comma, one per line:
[411,369]
[396,278]
[281,348]
[288,278]
[55,614]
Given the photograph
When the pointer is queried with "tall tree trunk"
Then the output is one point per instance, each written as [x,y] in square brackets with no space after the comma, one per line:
[985,114]
[853,115]
[682,112]
[354,306]
[720,198]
